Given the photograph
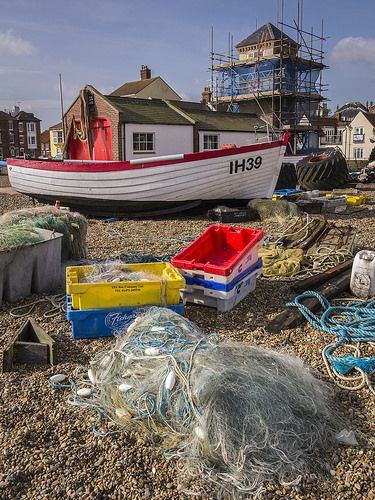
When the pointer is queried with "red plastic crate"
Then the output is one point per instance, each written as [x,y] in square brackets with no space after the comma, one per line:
[218,250]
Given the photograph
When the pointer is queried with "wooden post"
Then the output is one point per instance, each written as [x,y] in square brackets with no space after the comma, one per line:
[291,317]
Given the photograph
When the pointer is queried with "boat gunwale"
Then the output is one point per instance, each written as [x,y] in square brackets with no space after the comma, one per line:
[66,166]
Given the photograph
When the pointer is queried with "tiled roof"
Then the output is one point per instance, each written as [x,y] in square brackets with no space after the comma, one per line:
[5,116]
[22,115]
[131,88]
[220,121]
[155,111]
[58,126]
[371,118]
[265,33]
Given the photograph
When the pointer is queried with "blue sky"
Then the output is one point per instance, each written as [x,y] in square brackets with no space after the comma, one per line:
[104,43]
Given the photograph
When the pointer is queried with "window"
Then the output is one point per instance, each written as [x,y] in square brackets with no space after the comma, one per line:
[10,122]
[57,137]
[1,154]
[30,127]
[358,153]
[12,152]
[21,139]
[20,127]
[11,137]
[31,140]
[210,142]
[143,141]
[359,130]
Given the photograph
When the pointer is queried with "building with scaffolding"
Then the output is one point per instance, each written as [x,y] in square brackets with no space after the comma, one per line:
[276,77]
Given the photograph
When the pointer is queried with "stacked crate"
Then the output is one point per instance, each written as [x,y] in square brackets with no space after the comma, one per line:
[104,309]
[221,266]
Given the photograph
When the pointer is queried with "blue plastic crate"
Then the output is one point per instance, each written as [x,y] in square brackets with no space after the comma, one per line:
[214,285]
[92,323]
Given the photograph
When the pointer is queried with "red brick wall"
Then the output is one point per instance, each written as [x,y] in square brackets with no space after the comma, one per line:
[102,108]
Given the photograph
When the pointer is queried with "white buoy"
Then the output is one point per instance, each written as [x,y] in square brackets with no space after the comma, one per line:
[170,380]
[85,392]
[92,376]
[56,379]
[152,351]
[199,432]
[122,413]
[124,387]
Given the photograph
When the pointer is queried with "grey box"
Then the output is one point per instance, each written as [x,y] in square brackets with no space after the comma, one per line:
[35,268]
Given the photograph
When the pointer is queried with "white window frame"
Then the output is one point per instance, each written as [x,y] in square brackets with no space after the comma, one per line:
[358,153]
[359,131]
[143,142]
[21,139]
[31,127]
[57,134]
[20,127]
[211,140]
[11,137]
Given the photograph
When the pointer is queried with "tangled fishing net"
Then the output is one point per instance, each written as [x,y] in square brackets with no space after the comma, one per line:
[72,225]
[17,236]
[238,415]
[275,209]
[116,271]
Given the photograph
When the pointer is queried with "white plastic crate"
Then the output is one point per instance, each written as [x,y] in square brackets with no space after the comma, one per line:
[249,259]
[227,300]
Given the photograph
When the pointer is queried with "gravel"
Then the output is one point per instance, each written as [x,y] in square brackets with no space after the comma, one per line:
[47,447]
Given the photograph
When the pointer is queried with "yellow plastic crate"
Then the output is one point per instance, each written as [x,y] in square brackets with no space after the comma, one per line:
[165,291]
[356,200]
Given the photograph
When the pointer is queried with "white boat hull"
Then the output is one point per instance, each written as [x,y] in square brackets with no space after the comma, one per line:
[236,174]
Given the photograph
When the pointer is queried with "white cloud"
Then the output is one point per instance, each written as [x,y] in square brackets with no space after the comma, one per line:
[14,45]
[355,49]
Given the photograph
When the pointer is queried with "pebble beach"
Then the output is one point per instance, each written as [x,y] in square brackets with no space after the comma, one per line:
[47,447]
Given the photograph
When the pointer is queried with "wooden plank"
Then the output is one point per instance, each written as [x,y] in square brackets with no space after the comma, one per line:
[314,281]
[291,317]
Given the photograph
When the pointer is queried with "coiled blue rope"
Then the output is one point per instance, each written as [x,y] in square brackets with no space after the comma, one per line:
[352,323]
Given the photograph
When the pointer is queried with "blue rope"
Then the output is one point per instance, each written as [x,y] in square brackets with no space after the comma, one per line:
[352,323]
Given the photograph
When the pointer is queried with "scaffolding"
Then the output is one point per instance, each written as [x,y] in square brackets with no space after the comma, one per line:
[278,79]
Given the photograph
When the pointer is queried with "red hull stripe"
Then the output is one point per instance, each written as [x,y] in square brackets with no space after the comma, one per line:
[125,165]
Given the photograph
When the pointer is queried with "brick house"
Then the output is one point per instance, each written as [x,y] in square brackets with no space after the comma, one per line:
[19,134]
[124,128]
[45,148]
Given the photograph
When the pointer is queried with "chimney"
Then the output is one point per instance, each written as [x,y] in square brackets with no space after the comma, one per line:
[206,95]
[145,72]
[15,110]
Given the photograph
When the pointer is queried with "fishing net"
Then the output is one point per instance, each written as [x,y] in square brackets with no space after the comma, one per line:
[72,225]
[17,236]
[238,415]
[116,271]
[279,209]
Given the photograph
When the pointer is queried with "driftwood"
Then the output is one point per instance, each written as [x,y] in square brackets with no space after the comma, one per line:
[318,279]
[291,317]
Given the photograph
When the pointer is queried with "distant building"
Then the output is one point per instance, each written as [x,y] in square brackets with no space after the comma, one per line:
[56,139]
[45,149]
[147,87]
[19,134]
[125,128]
[351,129]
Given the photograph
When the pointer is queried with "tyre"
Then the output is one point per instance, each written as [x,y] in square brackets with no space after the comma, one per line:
[324,172]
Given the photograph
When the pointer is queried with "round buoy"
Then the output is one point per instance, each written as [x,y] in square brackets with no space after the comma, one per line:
[228,146]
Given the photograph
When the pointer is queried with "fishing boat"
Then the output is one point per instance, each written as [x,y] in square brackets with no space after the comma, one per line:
[152,186]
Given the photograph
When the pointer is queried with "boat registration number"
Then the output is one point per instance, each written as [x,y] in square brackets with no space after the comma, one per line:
[245,164]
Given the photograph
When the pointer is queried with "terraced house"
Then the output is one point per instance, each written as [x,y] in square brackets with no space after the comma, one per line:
[19,134]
